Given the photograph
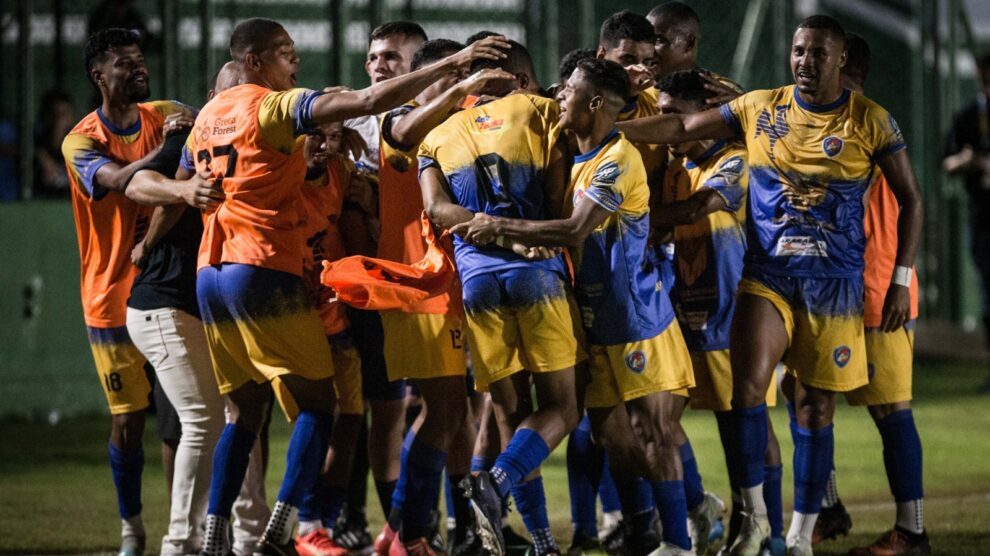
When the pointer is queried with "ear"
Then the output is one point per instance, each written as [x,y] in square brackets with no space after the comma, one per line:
[843,58]
[252,61]
[96,76]
[596,103]
[523,80]
[690,42]
[600,53]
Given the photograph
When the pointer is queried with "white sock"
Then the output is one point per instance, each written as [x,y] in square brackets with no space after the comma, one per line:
[610,520]
[281,523]
[831,497]
[132,527]
[307,527]
[802,527]
[911,516]
[216,542]
[752,499]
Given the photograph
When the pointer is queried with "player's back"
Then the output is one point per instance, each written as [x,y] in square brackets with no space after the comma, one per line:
[108,224]
[494,157]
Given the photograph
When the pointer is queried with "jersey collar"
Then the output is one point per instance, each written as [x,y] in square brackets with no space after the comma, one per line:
[584,157]
[692,164]
[819,108]
[135,127]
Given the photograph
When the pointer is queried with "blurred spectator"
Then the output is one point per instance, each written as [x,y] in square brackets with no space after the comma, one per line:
[10,185]
[967,154]
[56,116]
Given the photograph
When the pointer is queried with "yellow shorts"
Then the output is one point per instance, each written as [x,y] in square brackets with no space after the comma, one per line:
[347,381]
[713,382]
[420,345]
[823,318]
[624,372]
[518,319]
[121,369]
[890,357]
[260,326]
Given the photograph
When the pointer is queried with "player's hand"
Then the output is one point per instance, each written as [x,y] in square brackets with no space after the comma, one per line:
[337,89]
[177,123]
[360,192]
[723,92]
[351,143]
[477,81]
[139,255]
[480,230]
[640,78]
[896,308]
[538,253]
[202,193]
[488,48]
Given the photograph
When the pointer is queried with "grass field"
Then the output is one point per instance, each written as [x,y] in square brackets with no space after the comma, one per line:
[56,493]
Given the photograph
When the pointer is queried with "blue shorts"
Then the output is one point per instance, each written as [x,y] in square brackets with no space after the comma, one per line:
[369,339]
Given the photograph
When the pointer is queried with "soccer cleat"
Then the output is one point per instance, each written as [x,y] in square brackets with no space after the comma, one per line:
[896,542]
[832,522]
[754,531]
[774,547]
[801,547]
[581,543]
[417,547]
[671,550]
[615,542]
[469,545]
[266,547]
[702,521]
[318,543]
[131,545]
[383,543]
[486,502]
[718,532]
[647,542]
[352,533]
[515,544]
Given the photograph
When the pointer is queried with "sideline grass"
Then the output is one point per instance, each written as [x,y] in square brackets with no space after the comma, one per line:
[56,493]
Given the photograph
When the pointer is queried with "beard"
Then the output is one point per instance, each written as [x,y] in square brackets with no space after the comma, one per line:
[138,93]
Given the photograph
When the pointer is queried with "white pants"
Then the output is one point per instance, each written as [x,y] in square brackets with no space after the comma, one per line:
[174,342]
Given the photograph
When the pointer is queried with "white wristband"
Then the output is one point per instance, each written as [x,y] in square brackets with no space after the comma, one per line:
[902,276]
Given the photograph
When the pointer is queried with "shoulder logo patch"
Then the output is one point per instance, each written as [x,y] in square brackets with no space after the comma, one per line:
[636,361]
[832,146]
[841,355]
[606,174]
[578,195]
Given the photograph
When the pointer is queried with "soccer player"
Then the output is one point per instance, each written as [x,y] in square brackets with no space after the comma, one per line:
[500,158]
[260,325]
[424,342]
[889,356]
[707,211]
[101,152]
[812,150]
[636,349]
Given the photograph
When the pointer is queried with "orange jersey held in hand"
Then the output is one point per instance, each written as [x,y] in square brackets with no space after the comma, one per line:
[880,226]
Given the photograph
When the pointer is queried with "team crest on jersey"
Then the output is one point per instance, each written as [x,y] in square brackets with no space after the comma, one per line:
[832,146]
[636,361]
[578,195]
[486,123]
[841,355]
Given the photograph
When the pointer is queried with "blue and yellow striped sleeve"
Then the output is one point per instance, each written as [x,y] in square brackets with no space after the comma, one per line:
[83,157]
[285,116]
[728,182]
[888,138]
[427,153]
[737,112]
[605,188]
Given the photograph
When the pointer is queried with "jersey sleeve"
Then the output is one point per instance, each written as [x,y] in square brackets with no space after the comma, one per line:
[728,181]
[398,155]
[887,136]
[83,157]
[186,160]
[285,116]
[427,152]
[736,113]
[606,187]
[168,107]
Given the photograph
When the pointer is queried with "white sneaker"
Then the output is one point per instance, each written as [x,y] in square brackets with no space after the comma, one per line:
[702,519]
[671,550]
[753,532]
[800,548]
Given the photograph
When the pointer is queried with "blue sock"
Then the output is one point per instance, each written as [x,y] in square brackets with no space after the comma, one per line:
[127,468]
[448,492]
[480,463]
[902,455]
[751,444]
[532,505]
[607,491]
[399,492]
[672,506]
[791,411]
[773,498]
[230,463]
[525,452]
[726,428]
[322,503]
[813,452]
[694,491]
[425,467]
[304,458]
[584,466]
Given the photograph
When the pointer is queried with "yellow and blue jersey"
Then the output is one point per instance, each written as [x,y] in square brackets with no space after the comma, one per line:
[494,158]
[809,169]
[709,253]
[619,292]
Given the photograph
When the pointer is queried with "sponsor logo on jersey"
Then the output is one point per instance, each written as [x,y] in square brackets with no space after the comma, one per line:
[800,246]
[832,146]
[841,355]
[636,361]
[486,123]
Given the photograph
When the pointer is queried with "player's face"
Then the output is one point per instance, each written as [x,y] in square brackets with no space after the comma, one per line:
[334,133]
[673,105]
[670,49]
[279,62]
[315,149]
[816,60]
[125,74]
[575,103]
[628,53]
[391,57]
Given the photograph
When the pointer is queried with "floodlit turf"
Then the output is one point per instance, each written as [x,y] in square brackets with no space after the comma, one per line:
[56,493]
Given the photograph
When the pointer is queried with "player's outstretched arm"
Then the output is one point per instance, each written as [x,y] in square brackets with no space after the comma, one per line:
[149,187]
[437,201]
[390,93]
[896,168]
[564,232]
[667,129]
[699,205]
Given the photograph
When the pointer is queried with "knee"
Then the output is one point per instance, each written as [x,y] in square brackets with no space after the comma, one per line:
[816,412]
[127,430]
[880,412]
[747,394]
